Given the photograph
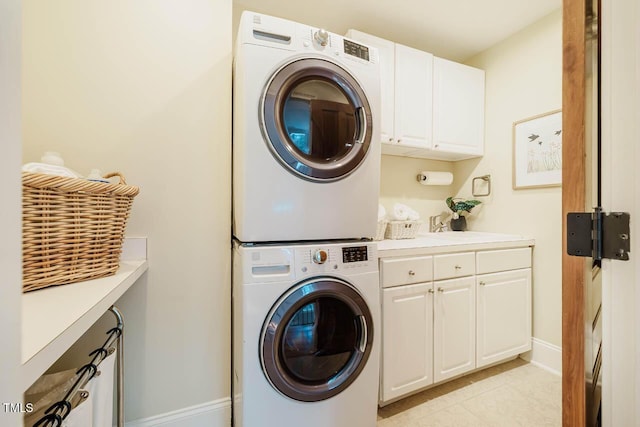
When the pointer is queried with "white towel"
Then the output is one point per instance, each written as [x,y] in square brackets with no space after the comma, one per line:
[412,215]
[400,212]
[382,212]
[404,213]
[101,393]
[49,170]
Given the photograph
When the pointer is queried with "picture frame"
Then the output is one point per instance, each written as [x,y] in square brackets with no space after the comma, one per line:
[537,151]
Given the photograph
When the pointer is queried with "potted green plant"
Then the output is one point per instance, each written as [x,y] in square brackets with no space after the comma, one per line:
[459,207]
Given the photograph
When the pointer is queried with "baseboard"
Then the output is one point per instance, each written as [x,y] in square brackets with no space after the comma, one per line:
[211,414]
[545,355]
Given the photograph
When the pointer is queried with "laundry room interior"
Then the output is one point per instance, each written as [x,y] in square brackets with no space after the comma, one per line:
[147,89]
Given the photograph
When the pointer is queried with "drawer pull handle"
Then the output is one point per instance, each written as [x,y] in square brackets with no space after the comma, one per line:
[440,289]
[458,267]
[482,283]
[412,273]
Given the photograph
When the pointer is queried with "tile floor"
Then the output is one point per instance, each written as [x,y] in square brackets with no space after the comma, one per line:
[512,394]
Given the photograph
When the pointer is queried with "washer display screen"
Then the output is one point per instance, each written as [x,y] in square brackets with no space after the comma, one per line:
[354,254]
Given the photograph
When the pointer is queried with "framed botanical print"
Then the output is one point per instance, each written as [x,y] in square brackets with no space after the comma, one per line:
[537,151]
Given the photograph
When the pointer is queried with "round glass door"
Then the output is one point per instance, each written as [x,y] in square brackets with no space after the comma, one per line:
[316,119]
[316,340]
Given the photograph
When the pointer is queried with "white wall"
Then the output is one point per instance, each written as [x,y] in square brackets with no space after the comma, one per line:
[10,213]
[144,88]
[398,184]
[523,79]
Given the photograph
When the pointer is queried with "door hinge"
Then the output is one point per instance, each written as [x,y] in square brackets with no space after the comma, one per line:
[599,235]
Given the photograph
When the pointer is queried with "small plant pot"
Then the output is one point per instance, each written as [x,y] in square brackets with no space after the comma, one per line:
[459,224]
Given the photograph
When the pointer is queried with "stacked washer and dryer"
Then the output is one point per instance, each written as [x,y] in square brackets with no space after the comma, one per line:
[306,166]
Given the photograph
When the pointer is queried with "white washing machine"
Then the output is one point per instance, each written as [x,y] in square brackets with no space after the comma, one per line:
[306,335]
[306,152]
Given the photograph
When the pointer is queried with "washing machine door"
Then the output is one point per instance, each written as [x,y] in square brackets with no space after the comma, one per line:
[316,339]
[316,119]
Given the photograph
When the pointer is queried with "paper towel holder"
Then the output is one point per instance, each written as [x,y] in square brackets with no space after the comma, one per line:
[434,178]
[485,178]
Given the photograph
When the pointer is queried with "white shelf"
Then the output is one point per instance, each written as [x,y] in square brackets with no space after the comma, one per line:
[54,318]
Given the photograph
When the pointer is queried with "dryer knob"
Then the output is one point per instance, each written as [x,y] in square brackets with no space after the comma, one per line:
[320,256]
[321,37]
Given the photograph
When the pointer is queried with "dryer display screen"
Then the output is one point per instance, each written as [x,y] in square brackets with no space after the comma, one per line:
[357,50]
[354,254]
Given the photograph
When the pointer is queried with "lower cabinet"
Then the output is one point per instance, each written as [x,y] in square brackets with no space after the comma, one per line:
[504,315]
[407,348]
[448,314]
[454,321]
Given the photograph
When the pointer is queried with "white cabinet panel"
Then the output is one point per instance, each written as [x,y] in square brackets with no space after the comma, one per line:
[454,265]
[454,327]
[406,95]
[407,339]
[458,111]
[413,97]
[503,260]
[504,315]
[403,271]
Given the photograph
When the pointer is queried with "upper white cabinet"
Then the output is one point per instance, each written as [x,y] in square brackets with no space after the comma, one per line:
[458,110]
[406,99]
[431,107]
[413,98]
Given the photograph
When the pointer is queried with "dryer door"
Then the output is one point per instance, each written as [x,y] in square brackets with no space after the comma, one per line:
[316,119]
[316,340]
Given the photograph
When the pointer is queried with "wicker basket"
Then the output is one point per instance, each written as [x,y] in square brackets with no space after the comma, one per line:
[402,229]
[382,227]
[72,229]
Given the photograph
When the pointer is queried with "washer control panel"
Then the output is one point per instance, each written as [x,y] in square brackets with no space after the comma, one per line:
[357,257]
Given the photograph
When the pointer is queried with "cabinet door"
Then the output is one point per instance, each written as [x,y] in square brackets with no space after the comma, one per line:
[407,339]
[458,108]
[413,97]
[386,51]
[504,315]
[454,331]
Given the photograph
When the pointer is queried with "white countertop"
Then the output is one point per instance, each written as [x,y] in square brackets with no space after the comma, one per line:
[451,241]
[54,318]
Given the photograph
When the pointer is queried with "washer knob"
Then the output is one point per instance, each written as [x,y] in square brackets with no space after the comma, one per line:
[321,36]
[320,256]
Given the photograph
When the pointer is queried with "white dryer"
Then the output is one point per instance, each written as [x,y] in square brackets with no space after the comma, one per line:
[306,322]
[306,153]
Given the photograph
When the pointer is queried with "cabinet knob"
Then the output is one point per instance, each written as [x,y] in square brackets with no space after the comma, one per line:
[458,267]
[430,290]
[399,141]
[412,273]
[436,146]
[482,283]
[440,289]
[390,139]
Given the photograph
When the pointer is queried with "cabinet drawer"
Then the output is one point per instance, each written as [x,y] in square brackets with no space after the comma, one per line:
[503,260]
[402,271]
[454,265]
